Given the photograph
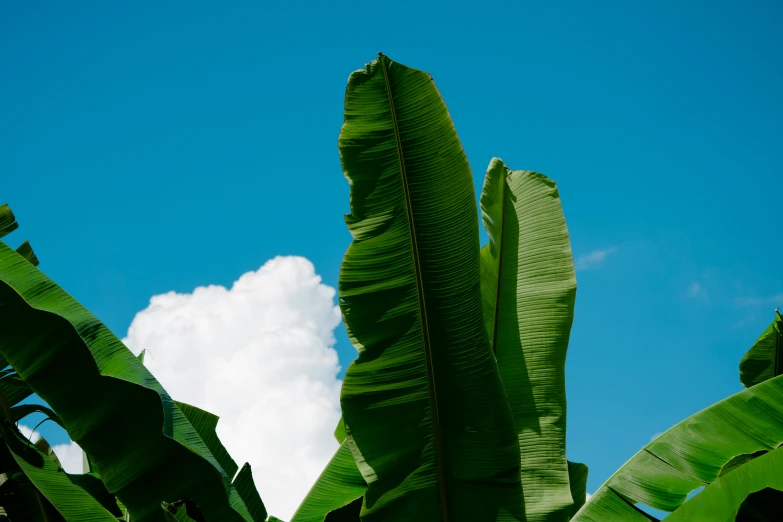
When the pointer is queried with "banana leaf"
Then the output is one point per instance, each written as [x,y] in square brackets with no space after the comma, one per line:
[721,500]
[338,487]
[8,221]
[764,360]
[139,442]
[528,291]
[692,454]
[205,424]
[577,480]
[50,485]
[8,224]
[426,415]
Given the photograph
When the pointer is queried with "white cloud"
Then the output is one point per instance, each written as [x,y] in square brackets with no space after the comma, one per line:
[28,433]
[587,496]
[260,356]
[70,457]
[593,259]
[69,454]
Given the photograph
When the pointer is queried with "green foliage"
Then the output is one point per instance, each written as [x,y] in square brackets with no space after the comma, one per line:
[732,447]
[455,408]
[435,426]
[38,489]
[529,290]
[115,410]
[425,387]
[764,360]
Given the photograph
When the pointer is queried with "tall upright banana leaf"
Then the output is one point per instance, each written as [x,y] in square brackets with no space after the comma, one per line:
[529,289]
[693,454]
[426,415]
[140,443]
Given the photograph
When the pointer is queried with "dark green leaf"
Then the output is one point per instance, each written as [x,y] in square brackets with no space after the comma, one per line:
[762,506]
[92,484]
[140,443]
[764,360]
[577,479]
[339,485]
[693,453]
[205,425]
[721,500]
[428,420]
[7,220]
[13,390]
[23,410]
[246,488]
[68,498]
[26,251]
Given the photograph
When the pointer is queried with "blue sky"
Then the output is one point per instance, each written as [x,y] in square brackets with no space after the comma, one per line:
[149,148]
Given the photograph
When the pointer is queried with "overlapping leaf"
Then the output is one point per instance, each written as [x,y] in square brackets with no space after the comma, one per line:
[529,289]
[339,485]
[428,421]
[205,424]
[692,454]
[140,443]
[764,360]
[54,495]
[721,500]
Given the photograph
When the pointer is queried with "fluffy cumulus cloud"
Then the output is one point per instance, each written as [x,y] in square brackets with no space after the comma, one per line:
[260,356]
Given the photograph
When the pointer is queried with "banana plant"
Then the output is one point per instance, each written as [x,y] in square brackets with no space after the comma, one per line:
[732,449]
[143,447]
[455,407]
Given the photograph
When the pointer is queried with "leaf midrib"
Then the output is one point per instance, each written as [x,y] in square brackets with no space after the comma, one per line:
[500,242]
[420,293]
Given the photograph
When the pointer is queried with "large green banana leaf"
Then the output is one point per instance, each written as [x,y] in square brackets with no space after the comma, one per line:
[764,360]
[427,417]
[528,290]
[721,500]
[692,454]
[140,443]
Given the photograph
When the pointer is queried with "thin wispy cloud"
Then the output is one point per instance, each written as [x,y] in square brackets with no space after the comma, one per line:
[747,302]
[593,259]
[696,291]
